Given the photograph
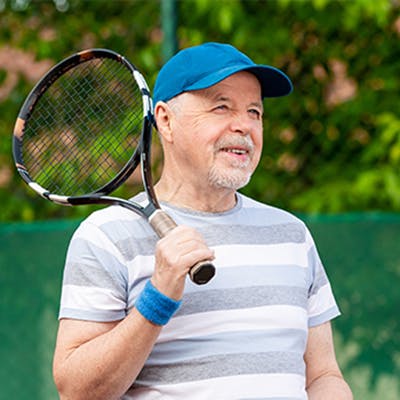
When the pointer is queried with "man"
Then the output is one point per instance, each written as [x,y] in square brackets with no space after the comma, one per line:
[133,326]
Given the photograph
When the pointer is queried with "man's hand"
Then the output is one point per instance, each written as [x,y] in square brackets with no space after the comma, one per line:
[175,254]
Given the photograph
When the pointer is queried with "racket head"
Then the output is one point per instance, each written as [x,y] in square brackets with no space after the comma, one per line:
[81,128]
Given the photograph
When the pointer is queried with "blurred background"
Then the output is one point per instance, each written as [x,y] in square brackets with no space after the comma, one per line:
[331,156]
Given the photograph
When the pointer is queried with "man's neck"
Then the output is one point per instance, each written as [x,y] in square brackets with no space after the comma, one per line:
[195,198]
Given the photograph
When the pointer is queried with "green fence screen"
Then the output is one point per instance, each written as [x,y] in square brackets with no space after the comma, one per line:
[361,253]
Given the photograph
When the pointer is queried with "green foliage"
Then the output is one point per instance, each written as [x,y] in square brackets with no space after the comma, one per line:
[331,146]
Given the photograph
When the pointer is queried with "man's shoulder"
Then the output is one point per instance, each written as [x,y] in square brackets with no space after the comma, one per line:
[113,214]
[115,222]
[258,208]
[110,214]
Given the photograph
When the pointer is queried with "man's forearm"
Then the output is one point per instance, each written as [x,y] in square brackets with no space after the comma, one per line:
[329,387]
[105,367]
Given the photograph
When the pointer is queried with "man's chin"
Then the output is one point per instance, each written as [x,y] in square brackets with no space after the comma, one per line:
[229,181]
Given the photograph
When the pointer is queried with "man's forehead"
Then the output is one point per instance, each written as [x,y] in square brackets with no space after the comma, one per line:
[228,86]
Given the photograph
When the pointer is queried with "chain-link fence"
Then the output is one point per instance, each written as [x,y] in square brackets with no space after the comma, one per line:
[333,145]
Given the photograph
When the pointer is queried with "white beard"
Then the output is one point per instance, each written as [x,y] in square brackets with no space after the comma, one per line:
[234,180]
[237,175]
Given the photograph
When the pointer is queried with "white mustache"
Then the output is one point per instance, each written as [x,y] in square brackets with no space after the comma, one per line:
[235,141]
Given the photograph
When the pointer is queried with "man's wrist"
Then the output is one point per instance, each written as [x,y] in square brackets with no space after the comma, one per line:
[155,306]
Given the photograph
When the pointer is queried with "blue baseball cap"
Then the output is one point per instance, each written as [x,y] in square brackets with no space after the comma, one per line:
[202,66]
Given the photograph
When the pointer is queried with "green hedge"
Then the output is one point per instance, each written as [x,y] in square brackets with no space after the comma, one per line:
[331,146]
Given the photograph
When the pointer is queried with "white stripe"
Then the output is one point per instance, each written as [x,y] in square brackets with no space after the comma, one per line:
[228,388]
[110,214]
[37,188]
[231,256]
[92,234]
[321,301]
[140,80]
[140,267]
[276,254]
[249,319]
[90,298]
[63,200]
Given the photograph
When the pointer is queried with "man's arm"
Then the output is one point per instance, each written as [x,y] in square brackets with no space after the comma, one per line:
[324,381]
[101,360]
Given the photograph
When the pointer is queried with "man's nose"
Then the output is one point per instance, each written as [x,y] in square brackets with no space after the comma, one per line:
[241,123]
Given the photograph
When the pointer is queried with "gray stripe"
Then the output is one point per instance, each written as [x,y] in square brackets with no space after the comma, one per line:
[231,342]
[131,238]
[134,242]
[90,276]
[320,280]
[318,277]
[223,365]
[87,271]
[246,297]
[131,248]
[250,234]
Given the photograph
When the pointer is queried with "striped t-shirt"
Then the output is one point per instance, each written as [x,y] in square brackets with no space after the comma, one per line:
[242,335]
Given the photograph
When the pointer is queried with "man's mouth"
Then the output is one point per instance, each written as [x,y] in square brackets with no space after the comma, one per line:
[239,150]
[235,150]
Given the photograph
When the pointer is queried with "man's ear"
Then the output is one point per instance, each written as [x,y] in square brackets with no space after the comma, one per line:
[163,118]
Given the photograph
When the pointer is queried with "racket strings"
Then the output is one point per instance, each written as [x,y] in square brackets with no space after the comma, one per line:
[84,128]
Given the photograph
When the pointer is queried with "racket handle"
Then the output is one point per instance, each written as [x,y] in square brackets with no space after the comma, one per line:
[162,223]
[202,272]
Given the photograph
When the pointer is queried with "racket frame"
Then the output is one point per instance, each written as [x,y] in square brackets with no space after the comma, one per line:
[34,96]
[160,221]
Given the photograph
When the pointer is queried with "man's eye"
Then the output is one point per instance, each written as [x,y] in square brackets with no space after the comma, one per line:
[255,112]
[221,107]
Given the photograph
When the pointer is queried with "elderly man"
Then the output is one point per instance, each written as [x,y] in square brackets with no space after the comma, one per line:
[133,326]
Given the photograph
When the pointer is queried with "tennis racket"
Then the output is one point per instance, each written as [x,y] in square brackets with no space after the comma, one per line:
[82,131]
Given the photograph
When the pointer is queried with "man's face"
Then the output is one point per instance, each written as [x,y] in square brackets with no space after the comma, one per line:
[218,132]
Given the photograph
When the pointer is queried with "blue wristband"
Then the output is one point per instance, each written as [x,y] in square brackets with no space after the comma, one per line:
[156,306]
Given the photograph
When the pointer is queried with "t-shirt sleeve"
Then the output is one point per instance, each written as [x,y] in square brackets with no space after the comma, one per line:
[95,278]
[322,306]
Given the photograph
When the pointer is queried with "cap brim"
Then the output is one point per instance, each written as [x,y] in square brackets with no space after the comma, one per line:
[274,83]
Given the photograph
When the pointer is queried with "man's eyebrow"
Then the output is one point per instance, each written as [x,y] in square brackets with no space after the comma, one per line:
[257,104]
[221,98]
[213,94]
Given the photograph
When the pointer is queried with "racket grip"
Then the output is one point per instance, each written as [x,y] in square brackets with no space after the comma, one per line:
[162,223]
